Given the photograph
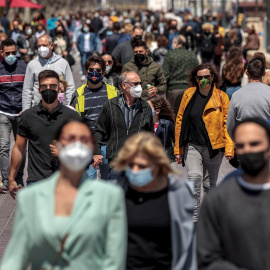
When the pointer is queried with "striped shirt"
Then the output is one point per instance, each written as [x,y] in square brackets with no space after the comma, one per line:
[129,111]
[94,101]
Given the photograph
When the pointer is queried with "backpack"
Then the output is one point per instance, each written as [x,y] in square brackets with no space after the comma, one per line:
[207,45]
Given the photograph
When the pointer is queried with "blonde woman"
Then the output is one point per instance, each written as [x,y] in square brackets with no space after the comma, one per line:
[150,41]
[157,207]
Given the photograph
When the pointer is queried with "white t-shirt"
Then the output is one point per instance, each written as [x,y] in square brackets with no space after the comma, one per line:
[86,43]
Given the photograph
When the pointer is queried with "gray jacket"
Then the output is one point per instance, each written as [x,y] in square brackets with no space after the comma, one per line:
[251,101]
[181,204]
[30,94]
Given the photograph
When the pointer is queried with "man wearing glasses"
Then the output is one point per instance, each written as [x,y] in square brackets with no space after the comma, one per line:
[37,126]
[123,116]
[88,101]
[12,73]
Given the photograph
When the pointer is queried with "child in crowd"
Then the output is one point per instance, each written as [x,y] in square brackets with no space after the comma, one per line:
[164,120]
[62,92]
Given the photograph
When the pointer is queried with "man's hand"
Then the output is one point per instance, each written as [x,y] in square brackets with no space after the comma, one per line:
[152,90]
[13,187]
[65,53]
[229,157]
[179,158]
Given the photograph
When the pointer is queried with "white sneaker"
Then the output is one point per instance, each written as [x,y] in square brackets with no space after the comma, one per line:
[83,78]
[81,73]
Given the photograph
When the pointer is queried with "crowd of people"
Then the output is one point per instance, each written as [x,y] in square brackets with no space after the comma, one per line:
[157,88]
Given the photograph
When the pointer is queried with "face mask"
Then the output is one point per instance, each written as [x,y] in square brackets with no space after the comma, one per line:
[96,15]
[43,51]
[98,76]
[29,31]
[252,163]
[139,58]
[61,97]
[136,91]
[75,156]
[137,38]
[16,28]
[204,82]
[86,29]
[153,112]
[108,69]
[10,59]
[173,27]
[140,178]
[49,95]
[59,33]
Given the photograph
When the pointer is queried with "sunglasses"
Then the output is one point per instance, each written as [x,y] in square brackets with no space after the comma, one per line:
[98,70]
[134,83]
[73,138]
[201,77]
[43,87]
[109,62]
[9,53]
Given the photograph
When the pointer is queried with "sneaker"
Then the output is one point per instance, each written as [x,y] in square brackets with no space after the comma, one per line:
[83,78]
[81,73]
[4,189]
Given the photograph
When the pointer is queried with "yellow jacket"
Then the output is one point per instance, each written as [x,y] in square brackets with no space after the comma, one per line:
[214,116]
[78,101]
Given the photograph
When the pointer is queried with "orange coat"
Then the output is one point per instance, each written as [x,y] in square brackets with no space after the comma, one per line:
[214,116]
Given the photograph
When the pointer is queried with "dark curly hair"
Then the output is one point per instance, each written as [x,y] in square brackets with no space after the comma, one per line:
[192,80]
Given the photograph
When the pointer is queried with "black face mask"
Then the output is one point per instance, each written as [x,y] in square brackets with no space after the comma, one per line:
[252,163]
[139,58]
[49,95]
[136,38]
[173,27]
[59,32]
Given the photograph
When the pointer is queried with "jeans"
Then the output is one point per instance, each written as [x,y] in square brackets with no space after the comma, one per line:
[202,170]
[6,124]
[231,89]
[104,168]
[84,56]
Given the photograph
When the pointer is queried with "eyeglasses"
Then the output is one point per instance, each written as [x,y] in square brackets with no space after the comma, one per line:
[109,62]
[9,53]
[98,70]
[74,138]
[201,77]
[45,86]
[134,83]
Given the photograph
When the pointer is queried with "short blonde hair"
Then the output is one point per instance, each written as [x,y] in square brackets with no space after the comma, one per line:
[208,26]
[148,144]
[63,81]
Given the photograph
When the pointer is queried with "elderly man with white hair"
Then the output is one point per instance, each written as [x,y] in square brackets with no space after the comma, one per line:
[46,60]
[122,116]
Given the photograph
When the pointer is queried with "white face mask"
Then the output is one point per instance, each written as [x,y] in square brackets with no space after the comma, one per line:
[29,31]
[108,69]
[43,51]
[75,156]
[136,91]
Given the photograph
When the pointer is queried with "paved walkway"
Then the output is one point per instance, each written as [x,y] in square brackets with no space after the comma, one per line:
[7,204]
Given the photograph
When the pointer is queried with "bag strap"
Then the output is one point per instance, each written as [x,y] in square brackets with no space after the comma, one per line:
[60,251]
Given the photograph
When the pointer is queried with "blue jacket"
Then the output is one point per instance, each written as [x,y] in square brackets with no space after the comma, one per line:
[11,86]
[165,132]
[94,42]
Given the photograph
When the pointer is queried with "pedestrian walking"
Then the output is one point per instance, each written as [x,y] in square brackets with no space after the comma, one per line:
[159,207]
[201,137]
[59,236]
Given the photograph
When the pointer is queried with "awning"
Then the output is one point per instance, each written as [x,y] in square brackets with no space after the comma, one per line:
[20,4]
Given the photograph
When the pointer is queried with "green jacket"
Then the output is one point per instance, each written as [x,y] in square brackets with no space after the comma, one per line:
[150,73]
[177,65]
[96,228]
[78,101]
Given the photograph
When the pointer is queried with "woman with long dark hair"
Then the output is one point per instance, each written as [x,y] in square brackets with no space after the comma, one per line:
[111,75]
[201,136]
[164,119]
[233,71]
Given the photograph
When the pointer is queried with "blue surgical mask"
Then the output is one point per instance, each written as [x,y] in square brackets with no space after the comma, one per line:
[86,29]
[90,75]
[140,178]
[11,59]
[153,112]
